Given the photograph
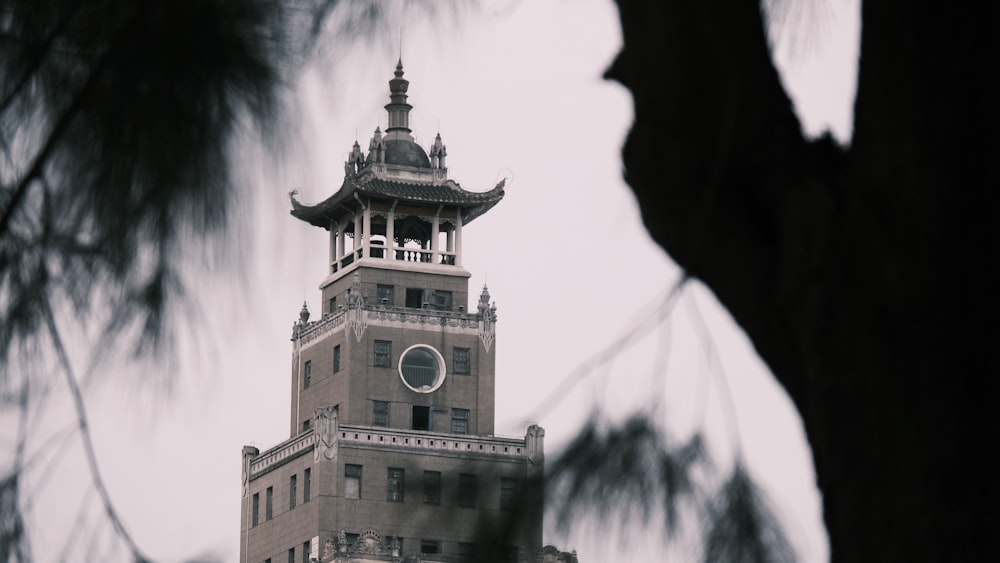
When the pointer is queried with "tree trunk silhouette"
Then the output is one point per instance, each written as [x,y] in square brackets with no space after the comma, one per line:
[865,276]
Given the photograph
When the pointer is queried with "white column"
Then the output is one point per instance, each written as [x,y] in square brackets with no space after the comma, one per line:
[390,235]
[435,230]
[333,246]
[367,230]
[340,241]
[458,238]
[357,235]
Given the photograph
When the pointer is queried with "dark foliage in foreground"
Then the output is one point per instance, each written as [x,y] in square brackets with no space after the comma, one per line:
[116,121]
[116,125]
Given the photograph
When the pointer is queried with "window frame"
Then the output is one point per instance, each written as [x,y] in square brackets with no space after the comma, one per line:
[432,487]
[307,374]
[293,485]
[336,358]
[442,368]
[439,300]
[508,493]
[255,519]
[430,544]
[382,420]
[459,417]
[395,484]
[468,490]
[269,504]
[306,484]
[349,470]
[463,367]
[382,359]
[386,291]
[413,418]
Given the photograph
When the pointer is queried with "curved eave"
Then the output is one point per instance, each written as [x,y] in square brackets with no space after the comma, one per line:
[450,194]
[326,211]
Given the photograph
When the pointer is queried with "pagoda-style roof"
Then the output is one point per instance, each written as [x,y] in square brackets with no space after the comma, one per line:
[448,193]
[397,170]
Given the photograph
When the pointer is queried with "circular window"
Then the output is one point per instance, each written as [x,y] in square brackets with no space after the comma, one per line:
[421,368]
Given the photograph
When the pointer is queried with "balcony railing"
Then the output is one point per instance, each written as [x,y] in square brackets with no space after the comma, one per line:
[399,254]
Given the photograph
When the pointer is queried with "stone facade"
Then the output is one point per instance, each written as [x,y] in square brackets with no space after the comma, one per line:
[391,453]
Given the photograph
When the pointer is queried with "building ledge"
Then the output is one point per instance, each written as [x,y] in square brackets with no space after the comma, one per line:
[394,439]
[384,314]
[282,453]
[347,265]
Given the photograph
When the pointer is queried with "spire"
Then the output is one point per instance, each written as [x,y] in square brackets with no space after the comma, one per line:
[399,110]
[486,310]
[376,148]
[355,160]
[304,314]
[438,153]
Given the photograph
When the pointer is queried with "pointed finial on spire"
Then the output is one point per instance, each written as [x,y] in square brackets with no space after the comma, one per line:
[304,314]
[398,109]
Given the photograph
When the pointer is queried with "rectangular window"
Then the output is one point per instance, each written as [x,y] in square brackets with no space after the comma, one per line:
[508,493]
[306,425]
[466,551]
[430,547]
[352,481]
[395,487]
[462,363]
[421,418]
[305,552]
[256,508]
[268,508]
[383,353]
[336,358]
[380,413]
[459,421]
[333,305]
[386,294]
[440,300]
[293,482]
[414,297]
[291,555]
[306,484]
[307,371]
[432,487]
[468,488]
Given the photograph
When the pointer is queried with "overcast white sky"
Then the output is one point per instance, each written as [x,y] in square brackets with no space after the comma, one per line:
[515,92]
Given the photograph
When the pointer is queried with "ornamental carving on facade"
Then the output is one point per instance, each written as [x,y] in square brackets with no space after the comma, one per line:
[487,319]
[357,315]
[327,432]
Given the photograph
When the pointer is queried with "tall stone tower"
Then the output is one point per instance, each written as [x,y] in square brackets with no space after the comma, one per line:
[391,453]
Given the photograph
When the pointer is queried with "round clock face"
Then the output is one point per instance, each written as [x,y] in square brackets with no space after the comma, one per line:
[421,368]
